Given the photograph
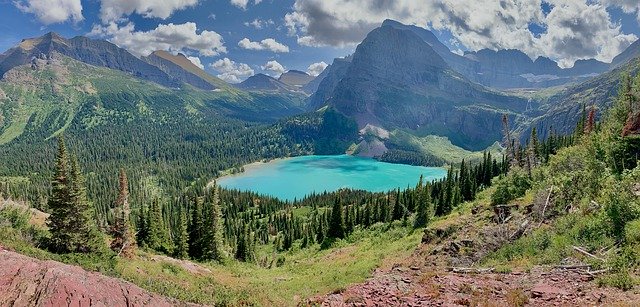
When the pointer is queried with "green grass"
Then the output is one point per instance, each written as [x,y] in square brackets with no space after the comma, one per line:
[305,272]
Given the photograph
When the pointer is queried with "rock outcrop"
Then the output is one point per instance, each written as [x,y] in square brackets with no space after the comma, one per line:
[25,281]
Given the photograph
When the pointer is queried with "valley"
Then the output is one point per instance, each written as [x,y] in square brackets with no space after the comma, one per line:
[396,169]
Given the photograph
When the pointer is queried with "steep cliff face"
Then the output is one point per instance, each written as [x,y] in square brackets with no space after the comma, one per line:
[25,281]
[94,52]
[396,80]
[330,78]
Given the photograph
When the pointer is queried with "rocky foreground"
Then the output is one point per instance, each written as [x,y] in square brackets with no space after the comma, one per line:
[26,281]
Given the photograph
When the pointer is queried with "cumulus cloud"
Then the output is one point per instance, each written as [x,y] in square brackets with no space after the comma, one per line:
[196,61]
[316,68]
[231,71]
[170,37]
[265,44]
[274,66]
[475,24]
[259,24]
[52,11]
[243,3]
[112,10]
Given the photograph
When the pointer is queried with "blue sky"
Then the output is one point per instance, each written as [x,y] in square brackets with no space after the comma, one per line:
[303,32]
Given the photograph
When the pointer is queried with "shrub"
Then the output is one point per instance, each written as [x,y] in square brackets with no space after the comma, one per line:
[514,185]
[622,281]
[632,232]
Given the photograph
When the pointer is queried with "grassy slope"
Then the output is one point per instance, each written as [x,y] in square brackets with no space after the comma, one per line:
[305,273]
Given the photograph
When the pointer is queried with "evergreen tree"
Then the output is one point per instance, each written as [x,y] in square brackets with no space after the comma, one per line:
[336,227]
[196,230]
[424,212]
[124,242]
[397,208]
[60,203]
[71,222]
[182,237]
[213,245]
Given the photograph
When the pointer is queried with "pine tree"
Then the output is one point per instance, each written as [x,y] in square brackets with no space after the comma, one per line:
[157,237]
[424,212]
[336,227]
[182,238]
[213,245]
[71,223]
[60,203]
[124,242]
[196,230]
[397,208]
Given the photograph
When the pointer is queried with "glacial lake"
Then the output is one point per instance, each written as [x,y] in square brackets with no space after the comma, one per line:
[297,177]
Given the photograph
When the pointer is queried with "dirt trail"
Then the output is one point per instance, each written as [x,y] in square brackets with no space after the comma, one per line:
[26,281]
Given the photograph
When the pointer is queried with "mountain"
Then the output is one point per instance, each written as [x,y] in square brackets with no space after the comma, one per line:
[505,69]
[633,51]
[395,80]
[94,52]
[183,70]
[295,78]
[265,83]
[328,80]
[562,110]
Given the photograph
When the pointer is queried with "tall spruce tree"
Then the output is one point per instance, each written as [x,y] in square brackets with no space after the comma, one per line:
[213,244]
[71,223]
[124,242]
[60,203]
[196,229]
[336,226]
[182,237]
[424,210]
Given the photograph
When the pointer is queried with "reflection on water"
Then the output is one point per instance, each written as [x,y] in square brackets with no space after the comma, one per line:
[300,176]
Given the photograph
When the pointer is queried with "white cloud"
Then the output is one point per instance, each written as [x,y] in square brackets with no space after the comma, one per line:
[259,24]
[316,68]
[274,66]
[244,3]
[171,37]
[265,44]
[196,61]
[583,26]
[577,30]
[231,71]
[52,11]
[113,10]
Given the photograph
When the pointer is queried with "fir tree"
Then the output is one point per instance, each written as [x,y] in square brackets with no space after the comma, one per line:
[60,203]
[424,212]
[196,229]
[182,238]
[336,227]
[71,223]
[123,242]
[213,245]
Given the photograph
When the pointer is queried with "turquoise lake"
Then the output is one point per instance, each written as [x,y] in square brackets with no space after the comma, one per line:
[297,177]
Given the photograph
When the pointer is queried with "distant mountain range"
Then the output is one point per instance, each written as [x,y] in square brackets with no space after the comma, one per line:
[400,86]
[401,78]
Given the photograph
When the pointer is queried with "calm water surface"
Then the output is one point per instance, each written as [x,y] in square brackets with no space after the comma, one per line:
[296,177]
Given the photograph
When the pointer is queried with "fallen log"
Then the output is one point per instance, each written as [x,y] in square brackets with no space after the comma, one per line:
[470,270]
[584,252]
